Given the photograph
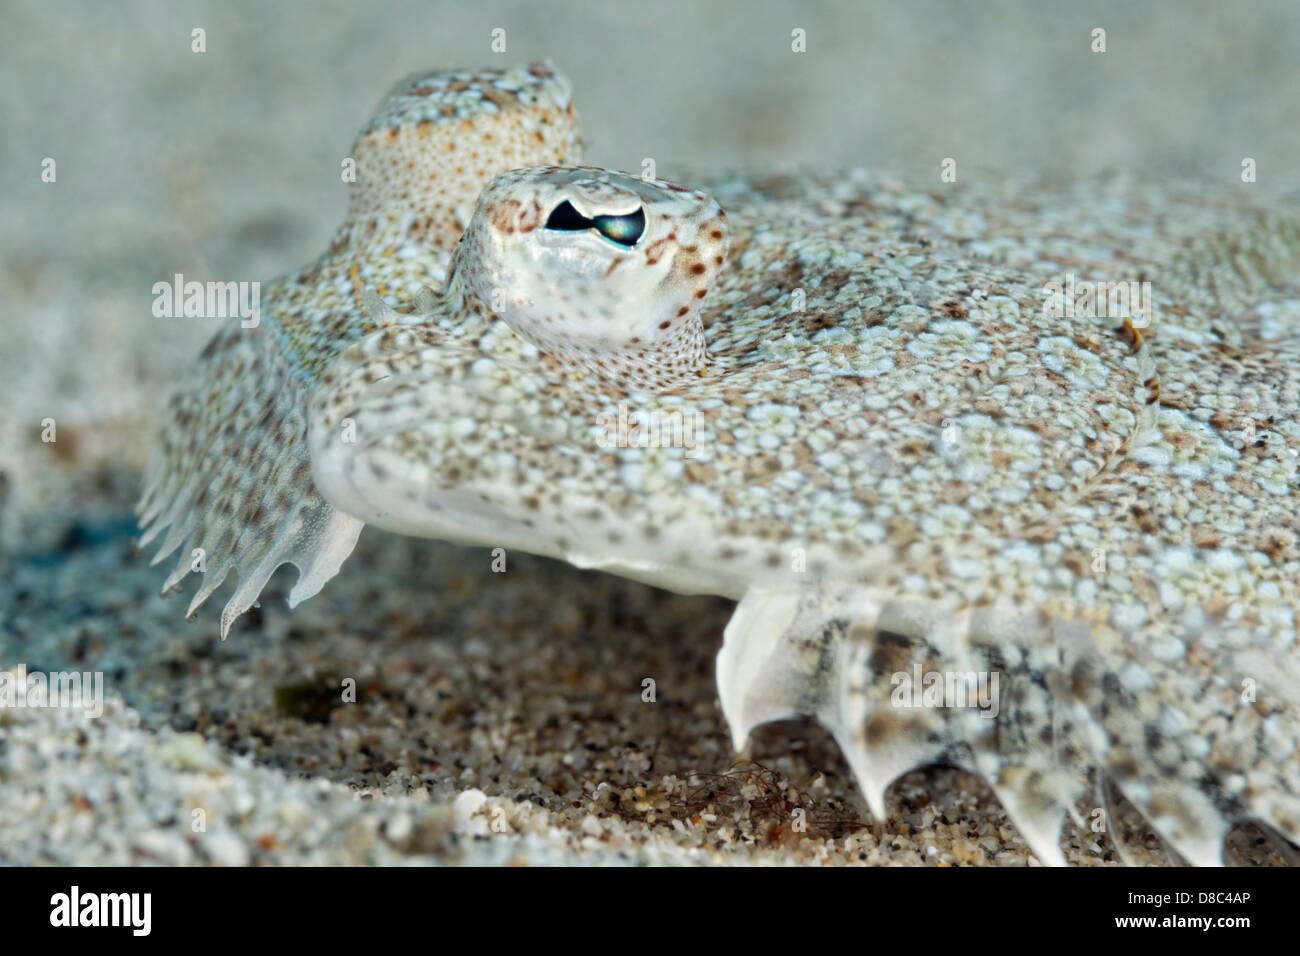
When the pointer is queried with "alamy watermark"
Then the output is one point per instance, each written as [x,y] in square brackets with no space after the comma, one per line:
[1092,300]
[647,428]
[960,689]
[208,300]
[69,690]
[133,911]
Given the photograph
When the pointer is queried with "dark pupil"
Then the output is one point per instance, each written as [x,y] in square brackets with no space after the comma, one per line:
[567,218]
[625,230]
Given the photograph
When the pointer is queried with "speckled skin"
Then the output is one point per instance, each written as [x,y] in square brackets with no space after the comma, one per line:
[232,475]
[902,457]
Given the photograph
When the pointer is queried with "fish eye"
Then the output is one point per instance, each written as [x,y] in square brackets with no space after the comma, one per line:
[567,219]
[624,230]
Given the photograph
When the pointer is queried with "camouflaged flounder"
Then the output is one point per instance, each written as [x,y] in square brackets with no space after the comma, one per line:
[894,435]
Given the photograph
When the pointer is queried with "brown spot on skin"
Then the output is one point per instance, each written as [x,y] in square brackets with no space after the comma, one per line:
[498,96]
[880,728]
[1130,333]
[655,251]
[503,218]
[1278,544]
[1042,535]
[1221,421]
[891,652]
[700,473]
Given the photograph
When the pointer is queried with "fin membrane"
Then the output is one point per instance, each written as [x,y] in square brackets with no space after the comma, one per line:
[230,482]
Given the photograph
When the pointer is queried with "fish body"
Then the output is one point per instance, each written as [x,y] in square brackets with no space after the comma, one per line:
[1001,479]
